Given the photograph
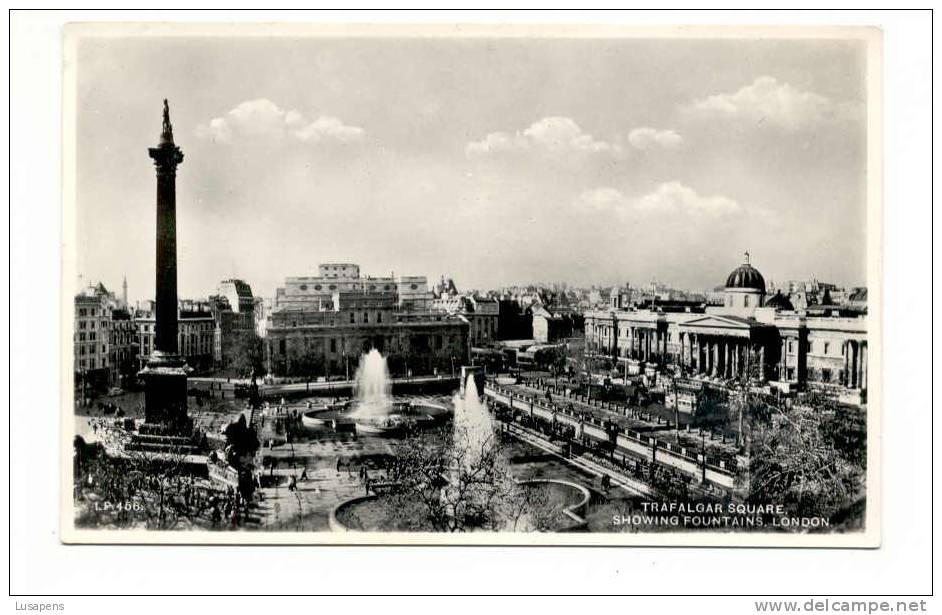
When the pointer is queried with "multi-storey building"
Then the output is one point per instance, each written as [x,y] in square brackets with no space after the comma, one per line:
[195,336]
[767,339]
[316,292]
[123,351]
[326,337]
[234,316]
[91,339]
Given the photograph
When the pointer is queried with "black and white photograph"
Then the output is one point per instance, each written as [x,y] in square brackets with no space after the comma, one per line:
[461,285]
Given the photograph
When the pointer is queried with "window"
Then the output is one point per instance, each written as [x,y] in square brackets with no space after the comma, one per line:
[366,317]
[303,287]
[282,347]
[353,318]
[825,375]
[91,336]
[82,311]
[379,317]
[82,324]
[91,363]
[745,301]
[827,345]
[333,344]
[790,346]
[81,337]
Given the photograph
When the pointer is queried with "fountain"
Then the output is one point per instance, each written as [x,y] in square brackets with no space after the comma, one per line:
[473,425]
[374,411]
[373,388]
[498,503]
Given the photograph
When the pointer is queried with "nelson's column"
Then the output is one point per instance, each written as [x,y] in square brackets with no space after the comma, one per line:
[165,373]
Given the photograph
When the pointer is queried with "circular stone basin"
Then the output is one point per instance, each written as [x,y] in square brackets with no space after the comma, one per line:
[400,418]
[561,508]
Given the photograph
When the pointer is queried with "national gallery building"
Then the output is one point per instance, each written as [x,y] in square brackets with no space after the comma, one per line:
[823,346]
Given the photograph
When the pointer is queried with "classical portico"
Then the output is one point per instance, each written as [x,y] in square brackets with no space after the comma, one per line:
[723,346]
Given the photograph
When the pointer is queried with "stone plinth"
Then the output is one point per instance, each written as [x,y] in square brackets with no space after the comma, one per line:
[165,405]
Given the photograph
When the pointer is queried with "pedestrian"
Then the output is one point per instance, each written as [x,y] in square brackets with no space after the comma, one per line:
[338,465]
[293,483]
[304,474]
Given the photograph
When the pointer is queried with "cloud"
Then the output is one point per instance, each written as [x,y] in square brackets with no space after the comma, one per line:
[676,197]
[563,135]
[766,100]
[668,198]
[651,138]
[262,118]
[548,135]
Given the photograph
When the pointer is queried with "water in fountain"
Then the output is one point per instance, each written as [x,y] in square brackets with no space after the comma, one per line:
[373,387]
[472,421]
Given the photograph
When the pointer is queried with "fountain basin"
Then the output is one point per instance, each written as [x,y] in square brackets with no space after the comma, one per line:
[397,419]
[567,503]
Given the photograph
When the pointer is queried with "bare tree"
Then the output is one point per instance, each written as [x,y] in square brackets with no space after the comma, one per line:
[800,457]
[119,486]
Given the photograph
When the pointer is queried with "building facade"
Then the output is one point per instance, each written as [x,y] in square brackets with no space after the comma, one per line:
[317,292]
[195,335]
[747,337]
[91,341]
[233,311]
[314,343]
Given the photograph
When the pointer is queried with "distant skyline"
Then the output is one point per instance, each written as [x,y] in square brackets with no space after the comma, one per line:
[492,161]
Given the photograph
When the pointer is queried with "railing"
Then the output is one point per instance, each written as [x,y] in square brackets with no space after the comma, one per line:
[719,469]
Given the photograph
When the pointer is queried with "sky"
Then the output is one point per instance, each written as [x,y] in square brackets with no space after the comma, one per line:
[494,161]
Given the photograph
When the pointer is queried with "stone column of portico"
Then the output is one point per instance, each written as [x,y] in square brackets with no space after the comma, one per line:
[847,374]
[707,355]
[712,351]
[723,363]
[694,357]
[782,361]
[853,365]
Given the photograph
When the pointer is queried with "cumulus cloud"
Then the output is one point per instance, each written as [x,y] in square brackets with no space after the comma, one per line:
[670,197]
[652,138]
[767,100]
[676,197]
[550,134]
[563,135]
[262,118]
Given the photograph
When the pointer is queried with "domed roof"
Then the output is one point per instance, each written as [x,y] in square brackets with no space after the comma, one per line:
[779,302]
[746,276]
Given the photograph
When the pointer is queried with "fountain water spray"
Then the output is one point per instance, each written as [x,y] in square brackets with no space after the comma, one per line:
[472,422]
[373,387]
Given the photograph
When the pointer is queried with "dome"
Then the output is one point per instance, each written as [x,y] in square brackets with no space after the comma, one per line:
[779,302]
[746,276]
